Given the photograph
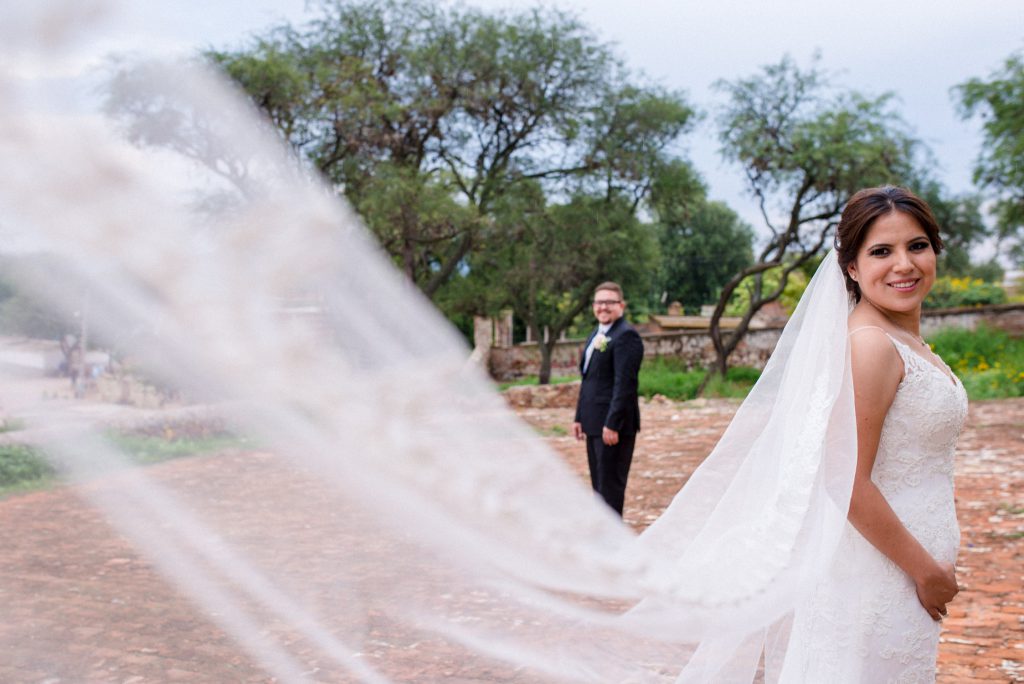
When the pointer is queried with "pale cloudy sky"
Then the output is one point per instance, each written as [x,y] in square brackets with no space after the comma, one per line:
[917,49]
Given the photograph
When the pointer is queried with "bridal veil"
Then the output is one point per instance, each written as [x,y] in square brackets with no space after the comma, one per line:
[403,521]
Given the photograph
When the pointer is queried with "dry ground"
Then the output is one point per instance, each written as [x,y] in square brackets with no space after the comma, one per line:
[72,587]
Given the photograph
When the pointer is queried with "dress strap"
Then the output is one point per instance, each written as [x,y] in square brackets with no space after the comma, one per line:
[869,327]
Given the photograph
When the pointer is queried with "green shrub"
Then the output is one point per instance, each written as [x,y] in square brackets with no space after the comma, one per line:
[989,362]
[668,376]
[142,448]
[949,292]
[795,286]
[735,385]
[20,465]
[532,380]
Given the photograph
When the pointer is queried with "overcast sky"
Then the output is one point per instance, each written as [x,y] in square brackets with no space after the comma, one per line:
[917,49]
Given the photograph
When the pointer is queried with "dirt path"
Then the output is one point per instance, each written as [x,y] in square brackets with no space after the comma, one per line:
[79,605]
[983,639]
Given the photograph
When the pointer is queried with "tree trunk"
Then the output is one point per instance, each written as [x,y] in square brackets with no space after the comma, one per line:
[83,335]
[544,374]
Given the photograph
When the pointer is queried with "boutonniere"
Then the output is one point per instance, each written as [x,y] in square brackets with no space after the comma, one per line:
[601,342]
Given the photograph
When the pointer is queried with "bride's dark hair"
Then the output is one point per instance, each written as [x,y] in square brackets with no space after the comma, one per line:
[861,212]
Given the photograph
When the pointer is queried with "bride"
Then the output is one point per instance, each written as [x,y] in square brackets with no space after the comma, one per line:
[875,616]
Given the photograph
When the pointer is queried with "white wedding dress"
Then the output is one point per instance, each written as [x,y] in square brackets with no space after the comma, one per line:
[863,622]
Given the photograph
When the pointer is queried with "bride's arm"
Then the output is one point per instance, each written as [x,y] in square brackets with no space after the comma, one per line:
[877,371]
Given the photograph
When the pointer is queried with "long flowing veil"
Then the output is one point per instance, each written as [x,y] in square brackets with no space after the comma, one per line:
[380,515]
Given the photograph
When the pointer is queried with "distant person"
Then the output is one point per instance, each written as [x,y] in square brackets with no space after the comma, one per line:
[608,410]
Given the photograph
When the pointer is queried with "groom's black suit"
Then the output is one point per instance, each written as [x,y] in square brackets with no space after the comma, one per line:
[608,398]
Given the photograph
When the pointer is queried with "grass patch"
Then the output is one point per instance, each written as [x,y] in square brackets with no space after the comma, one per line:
[735,385]
[22,468]
[668,377]
[989,362]
[145,449]
[552,431]
[533,380]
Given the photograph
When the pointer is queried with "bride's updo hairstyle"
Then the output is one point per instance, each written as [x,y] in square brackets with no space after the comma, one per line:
[861,212]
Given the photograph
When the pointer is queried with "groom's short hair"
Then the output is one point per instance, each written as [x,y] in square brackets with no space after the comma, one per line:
[609,285]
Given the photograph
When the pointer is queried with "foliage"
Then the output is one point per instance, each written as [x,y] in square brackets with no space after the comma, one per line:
[21,465]
[736,384]
[791,292]
[959,217]
[144,449]
[23,313]
[535,380]
[525,271]
[999,102]
[669,377]
[804,150]
[989,362]
[703,243]
[426,116]
[950,292]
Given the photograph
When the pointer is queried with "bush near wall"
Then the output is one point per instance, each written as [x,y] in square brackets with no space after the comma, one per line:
[988,361]
[951,292]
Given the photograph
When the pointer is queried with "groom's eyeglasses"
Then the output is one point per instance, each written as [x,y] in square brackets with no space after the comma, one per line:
[607,302]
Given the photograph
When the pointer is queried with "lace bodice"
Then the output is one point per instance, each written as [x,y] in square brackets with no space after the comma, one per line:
[922,426]
[863,623]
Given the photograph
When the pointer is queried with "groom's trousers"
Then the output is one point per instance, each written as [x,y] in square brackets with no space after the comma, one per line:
[609,468]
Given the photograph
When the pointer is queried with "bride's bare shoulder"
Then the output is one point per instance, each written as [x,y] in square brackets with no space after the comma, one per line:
[875,358]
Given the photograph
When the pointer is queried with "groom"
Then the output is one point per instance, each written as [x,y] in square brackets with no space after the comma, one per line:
[608,411]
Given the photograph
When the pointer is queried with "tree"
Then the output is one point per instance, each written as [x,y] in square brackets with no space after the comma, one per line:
[959,217]
[545,255]
[804,150]
[999,101]
[426,115]
[597,237]
[703,243]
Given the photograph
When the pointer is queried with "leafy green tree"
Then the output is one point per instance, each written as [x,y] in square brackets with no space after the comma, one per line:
[804,149]
[21,311]
[553,256]
[999,101]
[425,115]
[435,121]
[703,243]
[959,217]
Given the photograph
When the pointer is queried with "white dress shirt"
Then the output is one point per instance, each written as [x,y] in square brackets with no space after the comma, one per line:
[601,330]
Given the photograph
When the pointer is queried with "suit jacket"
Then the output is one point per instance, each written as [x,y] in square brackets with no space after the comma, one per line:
[608,393]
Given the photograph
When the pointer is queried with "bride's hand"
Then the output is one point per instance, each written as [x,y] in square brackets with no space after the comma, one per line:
[937,588]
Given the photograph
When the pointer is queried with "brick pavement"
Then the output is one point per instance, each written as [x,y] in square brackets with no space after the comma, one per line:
[983,637]
[79,605]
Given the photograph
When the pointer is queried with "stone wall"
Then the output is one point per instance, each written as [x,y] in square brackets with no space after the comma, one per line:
[697,351]
[694,346]
[1008,317]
